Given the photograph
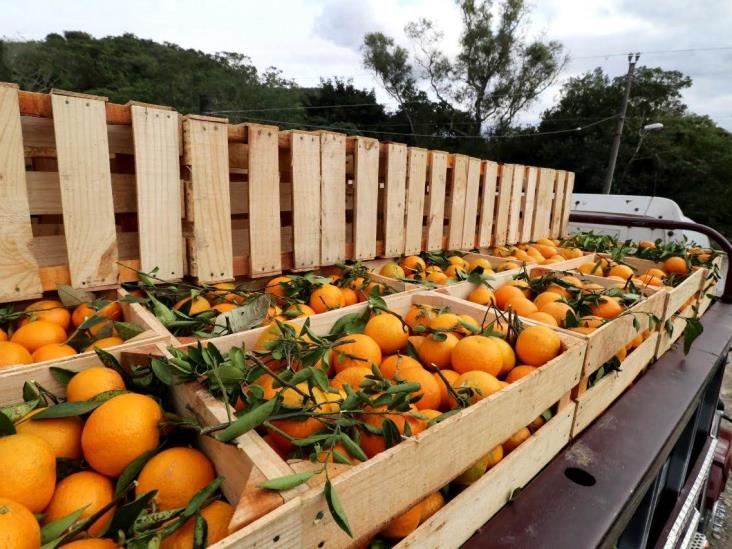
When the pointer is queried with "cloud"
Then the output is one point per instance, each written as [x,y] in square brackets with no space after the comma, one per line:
[344,22]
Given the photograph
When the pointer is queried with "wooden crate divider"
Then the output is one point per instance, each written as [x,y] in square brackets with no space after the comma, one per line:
[437,171]
[416,188]
[489,182]
[395,189]
[332,198]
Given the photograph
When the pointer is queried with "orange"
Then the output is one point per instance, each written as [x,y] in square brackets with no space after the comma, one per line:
[437,352]
[3,335]
[431,504]
[482,296]
[507,266]
[544,318]
[199,305]
[676,265]
[416,341]
[570,253]
[505,293]
[327,455]
[78,490]
[507,354]
[479,468]
[477,352]
[646,244]
[28,467]
[380,289]
[446,322]
[438,278]
[355,350]
[419,315]
[274,286]
[177,474]
[481,262]
[93,381]
[404,524]
[517,438]
[224,307]
[482,383]
[297,428]
[650,280]
[394,364]
[49,310]
[457,260]
[546,297]
[557,310]
[468,325]
[217,515]
[392,270]
[607,307]
[38,333]
[546,250]
[266,382]
[521,306]
[455,271]
[413,264]
[388,332]
[119,431]
[349,296]
[518,372]
[18,527]
[623,271]
[658,273]
[591,269]
[428,387]
[111,311]
[450,376]
[53,351]
[62,434]
[374,444]
[522,285]
[326,298]
[537,345]
[12,354]
[91,543]
[352,376]
[105,343]
[592,288]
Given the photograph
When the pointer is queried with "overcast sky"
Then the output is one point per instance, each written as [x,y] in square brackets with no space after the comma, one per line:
[309,39]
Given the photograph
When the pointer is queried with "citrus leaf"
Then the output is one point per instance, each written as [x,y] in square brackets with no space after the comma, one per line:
[62,375]
[514,493]
[6,426]
[55,529]
[336,509]
[72,297]
[127,330]
[403,388]
[246,317]
[130,472]
[127,514]
[693,329]
[352,448]
[70,409]
[200,532]
[92,321]
[287,482]
[201,497]
[162,371]
[248,421]
[348,324]
[16,412]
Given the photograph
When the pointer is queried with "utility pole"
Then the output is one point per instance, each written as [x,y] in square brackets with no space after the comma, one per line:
[619,130]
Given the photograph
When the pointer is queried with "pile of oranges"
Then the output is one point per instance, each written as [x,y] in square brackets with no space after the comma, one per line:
[447,360]
[44,329]
[542,252]
[98,447]
[672,271]
[440,269]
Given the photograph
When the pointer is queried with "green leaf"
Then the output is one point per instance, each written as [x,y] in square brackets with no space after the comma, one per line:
[248,421]
[30,392]
[127,330]
[514,493]
[55,529]
[287,482]
[693,329]
[548,414]
[71,409]
[392,436]
[131,471]
[354,449]
[403,388]
[72,297]
[162,371]
[636,324]
[127,514]
[16,412]
[6,426]
[92,321]
[62,375]
[348,324]
[336,509]
[246,317]
[201,497]
[200,532]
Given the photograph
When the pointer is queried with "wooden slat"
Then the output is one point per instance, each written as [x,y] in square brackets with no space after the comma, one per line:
[264,201]
[395,189]
[527,203]
[206,156]
[487,202]
[436,215]
[332,198]
[157,172]
[470,218]
[543,204]
[80,127]
[557,204]
[366,197]
[567,206]
[500,227]
[305,157]
[514,217]
[44,193]
[458,190]
[416,179]
[39,133]
[19,276]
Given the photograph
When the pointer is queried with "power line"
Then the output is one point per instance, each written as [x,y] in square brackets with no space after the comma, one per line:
[654,52]
[301,107]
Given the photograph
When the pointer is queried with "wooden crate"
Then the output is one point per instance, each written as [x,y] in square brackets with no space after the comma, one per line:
[131,312]
[89,188]
[452,525]
[301,518]
[709,285]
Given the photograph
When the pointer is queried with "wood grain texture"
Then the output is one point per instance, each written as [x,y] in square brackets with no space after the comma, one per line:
[503,204]
[514,217]
[458,191]
[558,204]
[527,204]
[543,204]
[487,203]
[567,205]
[80,127]
[332,198]
[205,155]
[264,201]
[416,184]
[44,193]
[472,191]
[395,189]
[157,173]
[19,276]
[305,158]
[436,207]
[366,197]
